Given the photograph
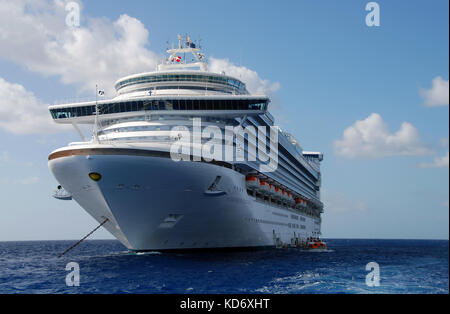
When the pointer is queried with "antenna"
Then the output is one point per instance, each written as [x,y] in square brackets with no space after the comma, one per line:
[179,56]
[96,115]
[179,41]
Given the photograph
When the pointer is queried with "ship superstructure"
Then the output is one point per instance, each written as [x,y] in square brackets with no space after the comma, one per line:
[154,171]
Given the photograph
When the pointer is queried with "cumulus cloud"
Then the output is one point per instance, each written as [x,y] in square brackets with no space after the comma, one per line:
[438,94]
[34,34]
[370,138]
[20,181]
[21,112]
[339,203]
[255,84]
[439,162]
[4,157]
[27,181]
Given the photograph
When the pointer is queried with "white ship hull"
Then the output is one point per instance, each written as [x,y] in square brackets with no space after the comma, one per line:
[154,203]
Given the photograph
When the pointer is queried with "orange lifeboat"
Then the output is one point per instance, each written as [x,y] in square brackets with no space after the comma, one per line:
[252,181]
[300,201]
[289,197]
[283,195]
[278,192]
[271,189]
[264,186]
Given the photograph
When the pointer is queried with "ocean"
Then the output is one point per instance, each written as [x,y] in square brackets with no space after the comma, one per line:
[106,267]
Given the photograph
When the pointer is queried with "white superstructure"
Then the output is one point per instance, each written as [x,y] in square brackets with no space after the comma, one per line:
[127,172]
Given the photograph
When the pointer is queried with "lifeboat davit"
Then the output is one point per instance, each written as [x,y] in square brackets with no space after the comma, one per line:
[264,186]
[300,202]
[289,197]
[252,182]
[284,195]
[278,193]
[271,189]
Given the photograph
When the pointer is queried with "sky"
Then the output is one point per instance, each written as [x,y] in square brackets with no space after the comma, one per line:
[373,99]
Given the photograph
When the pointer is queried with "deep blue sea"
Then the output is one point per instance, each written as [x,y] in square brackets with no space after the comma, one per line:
[405,266]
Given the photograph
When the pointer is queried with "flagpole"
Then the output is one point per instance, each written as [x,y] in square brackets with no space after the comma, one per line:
[96,115]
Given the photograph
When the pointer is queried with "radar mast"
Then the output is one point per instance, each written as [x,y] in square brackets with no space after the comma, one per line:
[177,58]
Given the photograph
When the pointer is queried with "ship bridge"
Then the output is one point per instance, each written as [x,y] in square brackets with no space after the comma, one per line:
[181,85]
[224,106]
[184,72]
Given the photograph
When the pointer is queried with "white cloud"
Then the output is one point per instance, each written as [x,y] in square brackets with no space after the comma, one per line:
[4,156]
[370,138]
[20,181]
[438,94]
[27,181]
[21,112]
[439,162]
[34,34]
[254,83]
[339,203]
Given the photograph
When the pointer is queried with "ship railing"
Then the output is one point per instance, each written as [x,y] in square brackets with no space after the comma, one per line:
[62,194]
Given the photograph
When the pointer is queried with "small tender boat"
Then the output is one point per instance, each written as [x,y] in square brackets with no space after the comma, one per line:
[314,244]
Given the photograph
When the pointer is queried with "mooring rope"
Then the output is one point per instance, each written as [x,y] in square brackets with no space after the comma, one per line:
[63,253]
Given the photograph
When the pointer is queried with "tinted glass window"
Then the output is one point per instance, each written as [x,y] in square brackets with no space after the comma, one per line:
[177,104]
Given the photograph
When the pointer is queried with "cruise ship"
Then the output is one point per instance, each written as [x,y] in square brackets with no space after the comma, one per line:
[183,158]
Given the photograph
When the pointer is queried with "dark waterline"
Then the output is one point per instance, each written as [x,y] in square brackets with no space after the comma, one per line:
[406,266]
